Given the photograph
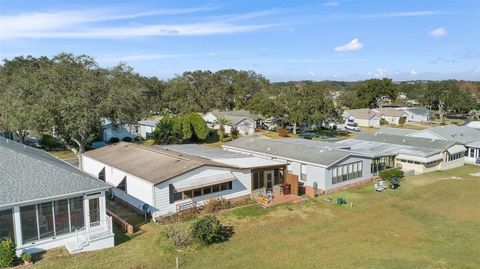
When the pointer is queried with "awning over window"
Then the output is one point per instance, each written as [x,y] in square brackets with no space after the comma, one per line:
[429,159]
[205,181]
[456,149]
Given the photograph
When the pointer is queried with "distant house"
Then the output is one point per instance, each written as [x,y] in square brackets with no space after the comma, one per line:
[411,154]
[146,127]
[46,203]
[366,117]
[465,135]
[391,115]
[363,117]
[417,114]
[165,180]
[319,166]
[118,130]
[243,121]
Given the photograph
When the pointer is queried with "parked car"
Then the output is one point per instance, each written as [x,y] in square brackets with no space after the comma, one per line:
[352,128]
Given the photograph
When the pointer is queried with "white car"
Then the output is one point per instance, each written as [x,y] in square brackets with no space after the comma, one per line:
[352,128]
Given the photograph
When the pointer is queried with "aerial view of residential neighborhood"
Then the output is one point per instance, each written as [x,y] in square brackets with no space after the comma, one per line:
[240,134]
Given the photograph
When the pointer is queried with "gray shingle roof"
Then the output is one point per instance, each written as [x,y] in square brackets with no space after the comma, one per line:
[406,140]
[235,115]
[396,131]
[418,110]
[461,134]
[30,174]
[293,149]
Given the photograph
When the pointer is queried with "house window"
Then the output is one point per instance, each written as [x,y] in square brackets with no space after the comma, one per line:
[76,213]
[50,219]
[62,221]
[347,172]
[6,225]
[197,192]
[45,220]
[28,218]
[123,184]
[303,172]
[177,196]
[258,180]
[453,157]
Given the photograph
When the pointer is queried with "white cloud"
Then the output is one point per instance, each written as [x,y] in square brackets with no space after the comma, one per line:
[437,33]
[333,3]
[311,73]
[380,73]
[413,72]
[355,44]
[82,24]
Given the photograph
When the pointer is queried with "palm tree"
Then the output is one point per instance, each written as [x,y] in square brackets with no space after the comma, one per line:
[222,122]
[165,133]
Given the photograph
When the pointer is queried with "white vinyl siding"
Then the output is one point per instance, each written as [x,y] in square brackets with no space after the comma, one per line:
[241,186]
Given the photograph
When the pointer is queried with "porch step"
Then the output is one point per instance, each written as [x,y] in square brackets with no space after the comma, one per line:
[72,247]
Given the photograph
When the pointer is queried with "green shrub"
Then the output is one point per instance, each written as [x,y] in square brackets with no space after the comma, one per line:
[216,204]
[401,121]
[383,122]
[26,257]
[7,253]
[49,143]
[209,230]
[389,173]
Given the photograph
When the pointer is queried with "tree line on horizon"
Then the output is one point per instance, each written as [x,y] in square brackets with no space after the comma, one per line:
[68,95]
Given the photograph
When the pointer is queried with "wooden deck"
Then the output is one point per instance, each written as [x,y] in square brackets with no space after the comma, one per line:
[283,199]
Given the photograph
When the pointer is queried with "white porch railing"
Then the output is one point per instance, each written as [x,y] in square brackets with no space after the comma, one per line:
[93,230]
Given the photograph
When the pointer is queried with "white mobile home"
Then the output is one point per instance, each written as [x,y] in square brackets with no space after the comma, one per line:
[167,180]
[243,121]
[464,135]
[364,117]
[320,168]
[411,154]
[46,203]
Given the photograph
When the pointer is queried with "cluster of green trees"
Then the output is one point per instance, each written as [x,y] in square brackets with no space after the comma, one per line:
[176,128]
[68,95]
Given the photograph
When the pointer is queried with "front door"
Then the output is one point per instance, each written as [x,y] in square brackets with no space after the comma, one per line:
[269,177]
[94,211]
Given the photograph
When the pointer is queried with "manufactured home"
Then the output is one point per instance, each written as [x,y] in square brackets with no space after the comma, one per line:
[467,136]
[320,168]
[242,121]
[163,181]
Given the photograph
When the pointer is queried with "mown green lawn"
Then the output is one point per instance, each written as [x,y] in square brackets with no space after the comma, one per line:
[432,221]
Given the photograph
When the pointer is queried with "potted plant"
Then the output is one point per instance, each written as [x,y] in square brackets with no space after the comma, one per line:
[27,258]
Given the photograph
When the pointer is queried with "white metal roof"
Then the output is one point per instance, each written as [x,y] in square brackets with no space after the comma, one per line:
[456,149]
[432,158]
[204,181]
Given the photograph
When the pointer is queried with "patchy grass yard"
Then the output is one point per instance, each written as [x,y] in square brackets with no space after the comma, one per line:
[63,154]
[432,221]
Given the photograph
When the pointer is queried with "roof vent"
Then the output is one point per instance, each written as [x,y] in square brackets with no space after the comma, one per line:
[321,150]
[403,140]
[268,149]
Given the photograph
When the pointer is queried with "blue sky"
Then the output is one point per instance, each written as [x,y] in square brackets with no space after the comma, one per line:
[284,40]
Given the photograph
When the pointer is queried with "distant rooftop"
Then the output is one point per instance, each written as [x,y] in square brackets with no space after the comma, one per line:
[236,115]
[452,132]
[28,174]
[396,131]
[300,150]
[221,156]
[406,140]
